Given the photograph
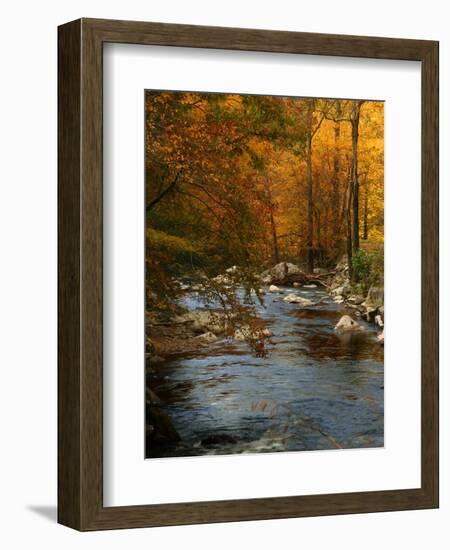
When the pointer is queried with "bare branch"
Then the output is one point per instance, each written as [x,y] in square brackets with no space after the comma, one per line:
[167,190]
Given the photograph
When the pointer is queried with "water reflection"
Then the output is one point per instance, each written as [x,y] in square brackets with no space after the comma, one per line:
[321,390]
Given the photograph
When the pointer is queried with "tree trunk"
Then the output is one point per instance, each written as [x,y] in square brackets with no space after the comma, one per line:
[349,230]
[309,184]
[168,189]
[273,226]
[355,182]
[366,211]
[319,239]
[336,169]
[326,226]
[276,250]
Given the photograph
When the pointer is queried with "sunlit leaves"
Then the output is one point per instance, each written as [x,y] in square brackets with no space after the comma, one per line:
[226,181]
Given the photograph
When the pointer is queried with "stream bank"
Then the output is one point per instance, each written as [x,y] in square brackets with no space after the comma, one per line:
[316,389]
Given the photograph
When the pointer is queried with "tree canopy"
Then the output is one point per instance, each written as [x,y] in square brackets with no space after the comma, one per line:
[254,180]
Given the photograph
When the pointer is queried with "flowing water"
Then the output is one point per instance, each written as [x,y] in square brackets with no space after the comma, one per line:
[315,390]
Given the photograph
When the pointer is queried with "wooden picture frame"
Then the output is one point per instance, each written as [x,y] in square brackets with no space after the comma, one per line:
[80,412]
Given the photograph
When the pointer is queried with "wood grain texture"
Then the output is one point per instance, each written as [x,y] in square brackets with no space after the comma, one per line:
[69,245]
[430,272]
[80,341]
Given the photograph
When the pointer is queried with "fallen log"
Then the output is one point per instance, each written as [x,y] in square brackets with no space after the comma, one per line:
[304,279]
[319,282]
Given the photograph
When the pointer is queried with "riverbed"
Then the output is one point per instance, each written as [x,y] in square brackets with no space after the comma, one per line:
[315,390]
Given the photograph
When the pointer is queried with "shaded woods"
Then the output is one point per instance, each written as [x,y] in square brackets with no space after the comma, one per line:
[251,181]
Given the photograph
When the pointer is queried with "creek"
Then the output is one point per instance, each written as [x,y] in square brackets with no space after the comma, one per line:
[315,390]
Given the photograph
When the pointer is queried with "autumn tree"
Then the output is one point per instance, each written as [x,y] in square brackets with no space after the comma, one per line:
[256,180]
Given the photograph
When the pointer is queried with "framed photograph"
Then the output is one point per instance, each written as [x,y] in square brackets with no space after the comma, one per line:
[248,274]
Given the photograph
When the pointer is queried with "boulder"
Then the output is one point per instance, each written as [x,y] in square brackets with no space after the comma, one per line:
[206,338]
[356,299]
[309,286]
[338,299]
[375,296]
[369,313]
[159,426]
[340,283]
[184,286]
[275,290]
[280,272]
[203,321]
[196,288]
[342,264]
[379,321]
[295,299]
[347,288]
[338,291]
[347,324]
[341,287]
[380,338]
[222,279]
[152,398]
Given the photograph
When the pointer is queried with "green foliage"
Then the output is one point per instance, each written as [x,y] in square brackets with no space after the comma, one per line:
[165,257]
[368,268]
[170,243]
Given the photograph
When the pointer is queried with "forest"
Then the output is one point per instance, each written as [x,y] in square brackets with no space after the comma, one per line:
[252,181]
[264,273]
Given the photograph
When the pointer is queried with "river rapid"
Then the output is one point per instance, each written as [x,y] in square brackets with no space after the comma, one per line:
[315,390]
